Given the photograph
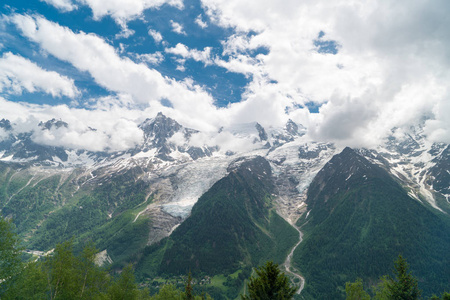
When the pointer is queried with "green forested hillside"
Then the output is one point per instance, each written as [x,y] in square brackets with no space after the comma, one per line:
[52,206]
[360,221]
[232,226]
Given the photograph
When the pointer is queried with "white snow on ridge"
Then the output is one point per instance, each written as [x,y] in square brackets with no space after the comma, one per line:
[7,158]
[410,166]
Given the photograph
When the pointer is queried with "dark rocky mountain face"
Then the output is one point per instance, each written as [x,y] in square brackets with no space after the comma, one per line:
[262,133]
[158,130]
[5,124]
[53,123]
[157,134]
[440,173]
[359,220]
[292,128]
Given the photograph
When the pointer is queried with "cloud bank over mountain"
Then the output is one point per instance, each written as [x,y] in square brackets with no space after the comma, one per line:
[348,72]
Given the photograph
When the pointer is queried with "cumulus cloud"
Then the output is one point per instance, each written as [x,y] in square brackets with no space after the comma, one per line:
[3,134]
[225,140]
[177,27]
[18,74]
[122,11]
[438,129]
[151,58]
[63,5]
[186,53]
[155,35]
[89,52]
[199,22]
[114,129]
[391,68]
[125,32]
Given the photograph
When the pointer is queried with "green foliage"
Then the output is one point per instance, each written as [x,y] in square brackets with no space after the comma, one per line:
[168,292]
[9,250]
[62,275]
[71,277]
[269,284]
[89,212]
[29,201]
[188,290]
[51,209]
[404,286]
[355,291]
[30,284]
[125,287]
[381,290]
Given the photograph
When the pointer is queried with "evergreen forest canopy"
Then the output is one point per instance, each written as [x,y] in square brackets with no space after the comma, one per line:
[63,275]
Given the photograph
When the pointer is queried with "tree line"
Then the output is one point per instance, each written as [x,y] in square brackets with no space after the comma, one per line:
[64,275]
[403,286]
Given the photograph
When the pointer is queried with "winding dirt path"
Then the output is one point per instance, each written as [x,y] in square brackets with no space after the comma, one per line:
[288,264]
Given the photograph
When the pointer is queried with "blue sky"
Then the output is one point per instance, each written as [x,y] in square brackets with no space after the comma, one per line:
[226,87]
[348,72]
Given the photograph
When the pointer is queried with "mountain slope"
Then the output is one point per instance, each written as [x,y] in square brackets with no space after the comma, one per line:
[359,220]
[231,226]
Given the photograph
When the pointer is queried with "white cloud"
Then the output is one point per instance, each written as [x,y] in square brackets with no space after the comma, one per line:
[177,27]
[125,32]
[18,74]
[123,11]
[88,52]
[225,140]
[151,58]
[155,35]
[438,129]
[200,22]
[391,68]
[116,128]
[3,134]
[197,55]
[63,5]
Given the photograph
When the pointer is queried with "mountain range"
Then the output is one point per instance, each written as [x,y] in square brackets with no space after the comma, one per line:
[172,204]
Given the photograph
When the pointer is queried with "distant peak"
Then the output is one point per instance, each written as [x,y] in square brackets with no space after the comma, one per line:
[348,150]
[294,129]
[53,123]
[5,124]
[262,133]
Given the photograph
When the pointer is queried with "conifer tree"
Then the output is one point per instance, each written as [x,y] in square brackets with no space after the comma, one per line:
[405,285]
[188,289]
[9,250]
[355,291]
[269,284]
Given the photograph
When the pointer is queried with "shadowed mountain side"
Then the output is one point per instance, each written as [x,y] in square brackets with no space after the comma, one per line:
[359,220]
